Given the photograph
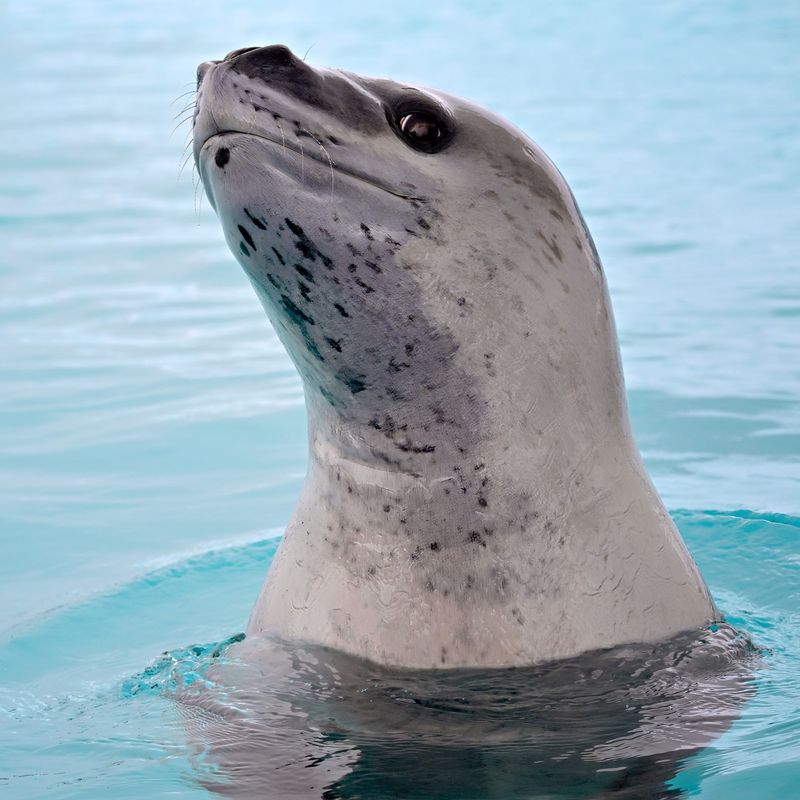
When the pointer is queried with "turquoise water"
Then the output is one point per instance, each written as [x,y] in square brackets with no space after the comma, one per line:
[152,437]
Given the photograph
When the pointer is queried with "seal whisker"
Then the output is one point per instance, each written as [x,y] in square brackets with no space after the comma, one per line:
[189,106]
[183,94]
[184,162]
[302,163]
[327,155]
[182,122]
[188,143]
[305,56]
[283,137]
[253,122]
[198,205]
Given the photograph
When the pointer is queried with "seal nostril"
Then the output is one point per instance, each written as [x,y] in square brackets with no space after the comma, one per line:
[234,53]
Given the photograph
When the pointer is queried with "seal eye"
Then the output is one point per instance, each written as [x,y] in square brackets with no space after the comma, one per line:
[420,129]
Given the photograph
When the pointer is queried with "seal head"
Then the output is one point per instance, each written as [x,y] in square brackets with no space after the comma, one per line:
[474,495]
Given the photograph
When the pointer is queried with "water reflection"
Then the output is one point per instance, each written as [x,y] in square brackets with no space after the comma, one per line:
[268,719]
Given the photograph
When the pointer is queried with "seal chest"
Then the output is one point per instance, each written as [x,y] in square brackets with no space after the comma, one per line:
[474,496]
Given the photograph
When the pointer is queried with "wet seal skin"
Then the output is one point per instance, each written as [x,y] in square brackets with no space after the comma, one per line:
[474,495]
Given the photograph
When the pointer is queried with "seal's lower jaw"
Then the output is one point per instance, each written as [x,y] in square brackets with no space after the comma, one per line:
[218,142]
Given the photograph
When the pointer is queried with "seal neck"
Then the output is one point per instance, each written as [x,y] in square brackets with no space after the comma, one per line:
[372,444]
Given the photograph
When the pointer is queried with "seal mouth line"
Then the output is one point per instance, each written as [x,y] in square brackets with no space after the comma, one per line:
[331,163]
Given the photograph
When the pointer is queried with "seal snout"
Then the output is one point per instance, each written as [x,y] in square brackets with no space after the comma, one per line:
[203,69]
[256,61]
[264,59]
[238,52]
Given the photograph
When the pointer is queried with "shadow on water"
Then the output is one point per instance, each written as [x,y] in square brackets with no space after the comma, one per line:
[273,720]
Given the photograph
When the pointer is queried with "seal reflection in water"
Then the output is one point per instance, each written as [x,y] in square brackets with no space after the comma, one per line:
[279,720]
[474,497]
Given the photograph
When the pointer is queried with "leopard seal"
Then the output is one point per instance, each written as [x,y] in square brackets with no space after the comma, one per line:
[474,495]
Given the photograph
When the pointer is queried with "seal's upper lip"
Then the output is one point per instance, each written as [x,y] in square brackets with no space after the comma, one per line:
[289,145]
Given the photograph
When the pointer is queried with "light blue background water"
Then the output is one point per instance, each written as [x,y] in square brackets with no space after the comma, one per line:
[152,430]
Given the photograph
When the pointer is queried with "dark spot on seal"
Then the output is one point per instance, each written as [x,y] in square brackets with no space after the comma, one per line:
[305,291]
[223,155]
[482,502]
[307,274]
[296,314]
[351,268]
[365,286]
[552,245]
[373,266]
[257,222]
[387,508]
[305,245]
[244,249]
[461,301]
[367,232]
[395,367]
[341,310]
[355,383]
[424,224]
[435,547]
[247,237]
[476,538]
[334,343]
[407,447]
